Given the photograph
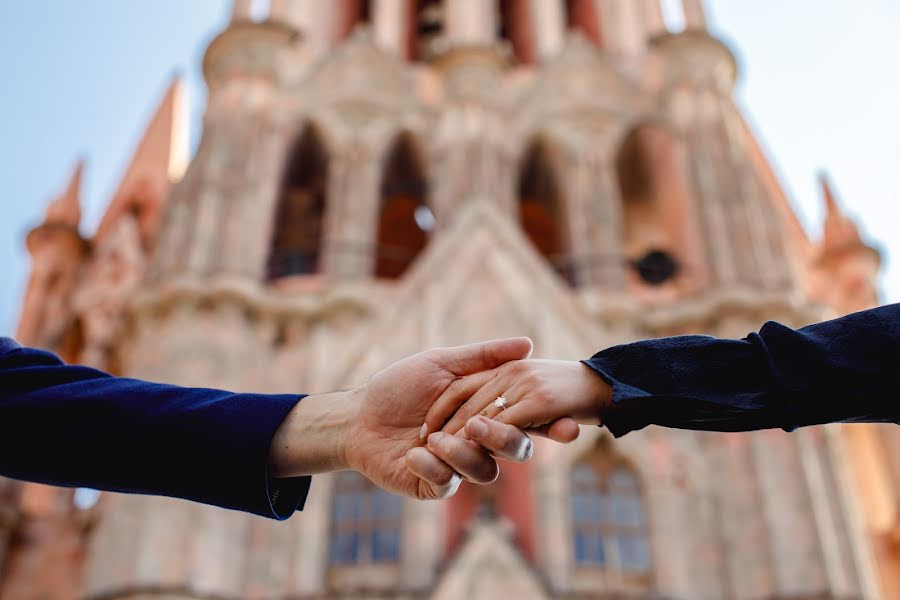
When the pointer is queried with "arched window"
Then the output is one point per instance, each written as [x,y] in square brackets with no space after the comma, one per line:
[652,192]
[404,219]
[582,15]
[427,34]
[366,522]
[351,13]
[608,523]
[515,24]
[540,210]
[297,239]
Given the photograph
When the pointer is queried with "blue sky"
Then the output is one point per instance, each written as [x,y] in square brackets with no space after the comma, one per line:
[819,81]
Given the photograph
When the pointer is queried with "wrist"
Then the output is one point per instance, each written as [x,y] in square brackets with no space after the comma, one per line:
[313,438]
[598,394]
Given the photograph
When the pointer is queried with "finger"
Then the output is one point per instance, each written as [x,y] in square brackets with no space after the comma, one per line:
[472,358]
[501,440]
[563,430]
[442,481]
[498,386]
[450,399]
[465,457]
[526,414]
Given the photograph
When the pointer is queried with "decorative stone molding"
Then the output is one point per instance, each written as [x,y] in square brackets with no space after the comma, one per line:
[245,48]
[694,56]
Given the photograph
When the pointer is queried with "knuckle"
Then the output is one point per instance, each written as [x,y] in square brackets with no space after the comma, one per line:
[518,368]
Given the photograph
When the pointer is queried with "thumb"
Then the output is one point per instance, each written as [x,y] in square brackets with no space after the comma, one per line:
[481,356]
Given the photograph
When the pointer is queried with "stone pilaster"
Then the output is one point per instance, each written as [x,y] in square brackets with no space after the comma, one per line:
[470,22]
[392,26]
[352,214]
[548,22]
[595,215]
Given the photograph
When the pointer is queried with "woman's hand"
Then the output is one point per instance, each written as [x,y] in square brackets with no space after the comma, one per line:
[539,395]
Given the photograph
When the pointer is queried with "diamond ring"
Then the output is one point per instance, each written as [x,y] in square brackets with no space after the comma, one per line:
[500,402]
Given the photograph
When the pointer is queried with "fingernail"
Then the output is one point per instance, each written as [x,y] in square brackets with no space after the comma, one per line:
[435,437]
[423,431]
[477,427]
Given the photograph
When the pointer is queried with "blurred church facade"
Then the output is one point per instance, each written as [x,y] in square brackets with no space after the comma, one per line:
[376,177]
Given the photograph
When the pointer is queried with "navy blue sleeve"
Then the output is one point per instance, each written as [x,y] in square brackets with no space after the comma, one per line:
[75,426]
[845,370]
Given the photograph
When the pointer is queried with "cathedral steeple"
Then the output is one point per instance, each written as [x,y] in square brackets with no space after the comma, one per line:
[66,208]
[57,250]
[848,266]
[838,230]
[158,160]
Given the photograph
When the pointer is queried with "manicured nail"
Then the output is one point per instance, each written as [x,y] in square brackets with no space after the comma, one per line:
[476,427]
[423,431]
[435,437]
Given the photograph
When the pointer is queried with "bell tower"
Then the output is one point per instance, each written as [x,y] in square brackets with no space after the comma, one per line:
[376,177]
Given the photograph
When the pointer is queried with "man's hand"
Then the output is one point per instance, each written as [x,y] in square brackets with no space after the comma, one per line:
[376,429]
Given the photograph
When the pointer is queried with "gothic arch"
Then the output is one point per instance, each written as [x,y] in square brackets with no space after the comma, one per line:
[404,217]
[516,26]
[654,200]
[582,16]
[296,247]
[542,207]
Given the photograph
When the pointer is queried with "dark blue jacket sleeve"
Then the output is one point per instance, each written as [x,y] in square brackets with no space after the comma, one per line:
[845,370]
[75,426]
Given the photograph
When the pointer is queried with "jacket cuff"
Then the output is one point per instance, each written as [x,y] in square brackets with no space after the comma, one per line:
[625,415]
[286,495]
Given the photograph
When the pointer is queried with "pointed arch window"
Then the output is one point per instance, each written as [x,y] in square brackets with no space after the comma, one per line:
[350,14]
[404,217]
[299,219]
[582,15]
[608,520]
[427,39]
[653,203]
[515,23]
[366,523]
[541,210]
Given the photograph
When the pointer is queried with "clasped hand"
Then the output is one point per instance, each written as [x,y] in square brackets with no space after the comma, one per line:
[423,424]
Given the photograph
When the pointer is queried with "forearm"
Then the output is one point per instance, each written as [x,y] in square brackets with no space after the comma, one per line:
[840,370]
[312,439]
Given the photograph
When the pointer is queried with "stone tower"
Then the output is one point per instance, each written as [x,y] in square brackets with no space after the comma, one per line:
[376,177]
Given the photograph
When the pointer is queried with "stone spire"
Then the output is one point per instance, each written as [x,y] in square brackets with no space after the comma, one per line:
[158,160]
[839,230]
[57,251]
[848,267]
[66,208]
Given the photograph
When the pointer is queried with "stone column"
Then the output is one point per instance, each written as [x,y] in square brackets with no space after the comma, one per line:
[652,16]
[604,265]
[252,208]
[471,22]
[391,25]
[548,22]
[794,544]
[694,16]
[240,10]
[747,563]
[351,217]
[316,20]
